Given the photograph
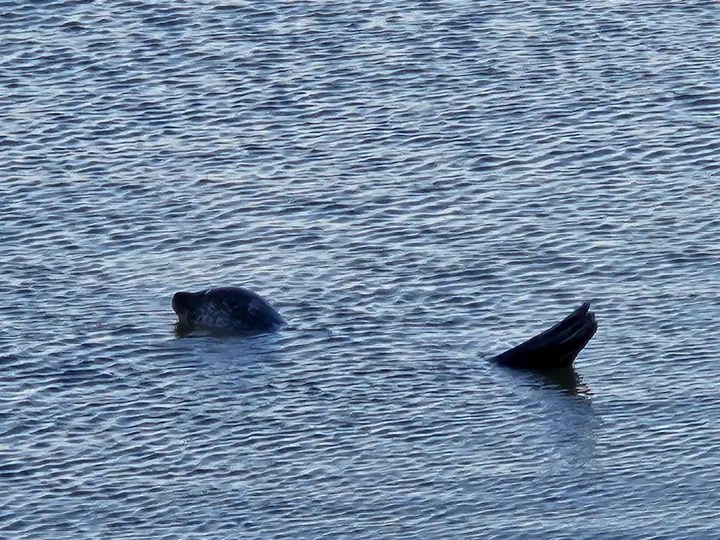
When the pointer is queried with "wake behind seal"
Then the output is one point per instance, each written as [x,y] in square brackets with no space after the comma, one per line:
[229,309]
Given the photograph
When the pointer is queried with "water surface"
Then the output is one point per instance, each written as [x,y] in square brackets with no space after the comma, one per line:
[414,187]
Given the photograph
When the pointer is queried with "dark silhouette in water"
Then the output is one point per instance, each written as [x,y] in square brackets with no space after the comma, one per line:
[565,379]
[234,309]
[229,309]
[555,348]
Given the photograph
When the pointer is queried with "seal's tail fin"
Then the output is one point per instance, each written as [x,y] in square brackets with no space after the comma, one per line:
[556,347]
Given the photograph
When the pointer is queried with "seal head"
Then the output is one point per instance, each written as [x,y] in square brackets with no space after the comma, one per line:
[231,309]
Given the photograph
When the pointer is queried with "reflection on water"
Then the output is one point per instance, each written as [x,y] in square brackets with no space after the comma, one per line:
[566,379]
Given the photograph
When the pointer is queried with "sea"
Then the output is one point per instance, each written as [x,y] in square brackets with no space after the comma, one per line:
[415,186]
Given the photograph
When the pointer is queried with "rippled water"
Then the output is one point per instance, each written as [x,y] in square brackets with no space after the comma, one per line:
[415,186]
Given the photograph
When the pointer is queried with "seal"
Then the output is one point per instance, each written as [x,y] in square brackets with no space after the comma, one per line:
[557,347]
[230,309]
[235,309]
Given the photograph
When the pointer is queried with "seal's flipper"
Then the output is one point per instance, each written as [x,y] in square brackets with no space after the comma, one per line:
[556,347]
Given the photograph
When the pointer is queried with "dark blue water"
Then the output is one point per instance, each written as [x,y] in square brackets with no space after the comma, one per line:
[414,186]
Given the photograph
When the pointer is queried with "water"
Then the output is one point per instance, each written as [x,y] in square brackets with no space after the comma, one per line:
[414,186]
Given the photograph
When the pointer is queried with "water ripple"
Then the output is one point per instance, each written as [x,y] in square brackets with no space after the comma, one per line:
[415,189]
